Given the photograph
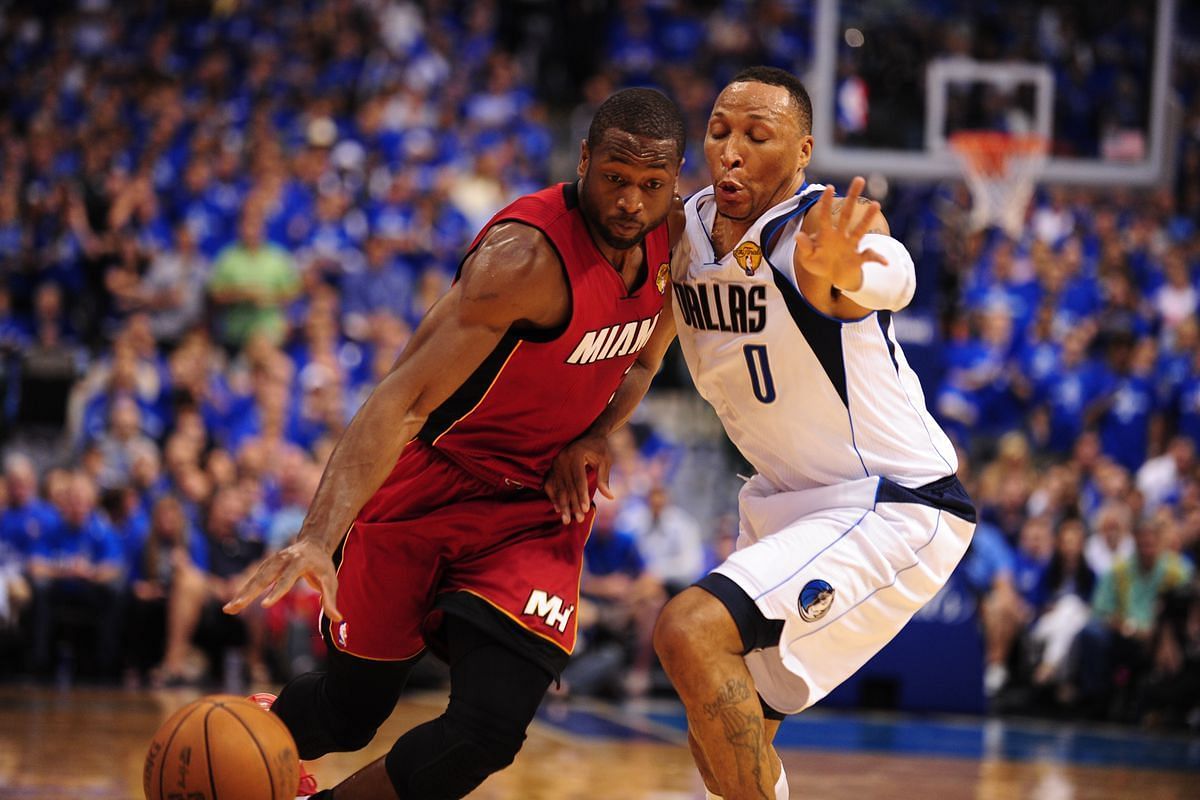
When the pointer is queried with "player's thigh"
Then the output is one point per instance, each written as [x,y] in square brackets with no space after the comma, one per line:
[842,583]
[495,691]
[387,580]
[826,563]
[525,564]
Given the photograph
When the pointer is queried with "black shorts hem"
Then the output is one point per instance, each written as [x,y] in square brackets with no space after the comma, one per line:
[757,631]
[770,713]
[478,612]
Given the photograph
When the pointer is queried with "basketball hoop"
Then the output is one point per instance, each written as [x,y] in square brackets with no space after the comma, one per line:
[1001,170]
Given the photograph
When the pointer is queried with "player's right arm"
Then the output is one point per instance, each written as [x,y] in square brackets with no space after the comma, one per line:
[513,278]
[566,483]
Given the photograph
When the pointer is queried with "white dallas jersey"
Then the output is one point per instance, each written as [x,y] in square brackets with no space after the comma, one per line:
[809,400]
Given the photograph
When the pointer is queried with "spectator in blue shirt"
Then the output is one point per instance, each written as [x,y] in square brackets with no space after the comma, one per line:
[1187,402]
[384,286]
[1067,395]
[1128,418]
[1031,561]
[77,571]
[28,518]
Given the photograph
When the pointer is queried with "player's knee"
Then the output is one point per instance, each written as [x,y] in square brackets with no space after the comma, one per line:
[467,754]
[690,623]
[497,736]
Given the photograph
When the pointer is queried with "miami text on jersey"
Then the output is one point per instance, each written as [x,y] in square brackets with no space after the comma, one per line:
[613,341]
[722,306]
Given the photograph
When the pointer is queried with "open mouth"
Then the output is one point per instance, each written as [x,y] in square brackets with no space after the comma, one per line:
[729,189]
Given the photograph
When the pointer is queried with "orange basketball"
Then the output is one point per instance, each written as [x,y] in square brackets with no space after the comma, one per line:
[221,747]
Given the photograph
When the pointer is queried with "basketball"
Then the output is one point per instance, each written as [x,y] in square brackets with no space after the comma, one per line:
[221,746]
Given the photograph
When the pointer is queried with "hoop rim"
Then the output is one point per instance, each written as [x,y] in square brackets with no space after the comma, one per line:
[1001,143]
[989,154]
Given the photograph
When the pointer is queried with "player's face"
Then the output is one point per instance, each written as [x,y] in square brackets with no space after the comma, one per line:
[755,149]
[626,186]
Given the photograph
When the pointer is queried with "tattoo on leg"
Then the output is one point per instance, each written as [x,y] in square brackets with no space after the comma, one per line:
[733,692]
[743,731]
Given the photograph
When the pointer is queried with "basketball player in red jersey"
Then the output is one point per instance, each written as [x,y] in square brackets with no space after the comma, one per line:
[430,528]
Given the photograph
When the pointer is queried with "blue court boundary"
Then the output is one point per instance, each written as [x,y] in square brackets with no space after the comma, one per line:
[1080,744]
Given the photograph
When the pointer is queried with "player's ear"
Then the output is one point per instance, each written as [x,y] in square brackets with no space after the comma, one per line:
[806,150]
[584,157]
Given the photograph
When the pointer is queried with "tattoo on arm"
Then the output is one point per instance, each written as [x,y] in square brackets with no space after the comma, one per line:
[743,730]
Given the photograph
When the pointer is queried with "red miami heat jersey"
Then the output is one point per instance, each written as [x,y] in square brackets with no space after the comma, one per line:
[538,390]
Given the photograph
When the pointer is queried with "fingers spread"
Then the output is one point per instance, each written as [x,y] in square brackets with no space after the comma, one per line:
[260,580]
[856,187]
[824,209]
[283,585]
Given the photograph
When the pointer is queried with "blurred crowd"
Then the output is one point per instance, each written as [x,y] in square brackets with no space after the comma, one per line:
[220,222]
[1072,361]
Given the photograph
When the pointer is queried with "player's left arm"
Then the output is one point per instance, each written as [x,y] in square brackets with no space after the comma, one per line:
[847,263]
[566,483]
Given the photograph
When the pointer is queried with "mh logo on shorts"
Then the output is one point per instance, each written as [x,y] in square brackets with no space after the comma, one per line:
[550,608]
[815,599]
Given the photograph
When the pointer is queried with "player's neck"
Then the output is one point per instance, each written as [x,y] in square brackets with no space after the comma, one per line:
[727,232]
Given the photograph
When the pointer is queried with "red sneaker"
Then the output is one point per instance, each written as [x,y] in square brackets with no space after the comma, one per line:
[308,781]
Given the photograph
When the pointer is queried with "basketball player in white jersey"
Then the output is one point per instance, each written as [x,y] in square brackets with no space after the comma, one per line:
[783,296]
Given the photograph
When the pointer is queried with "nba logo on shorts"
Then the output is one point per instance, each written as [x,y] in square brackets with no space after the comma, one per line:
[342,632]
[815,599]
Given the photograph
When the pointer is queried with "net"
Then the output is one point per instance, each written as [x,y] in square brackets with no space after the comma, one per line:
[1001,170]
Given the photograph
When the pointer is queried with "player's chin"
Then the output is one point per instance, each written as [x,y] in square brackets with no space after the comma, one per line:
[736,208]
[624,237]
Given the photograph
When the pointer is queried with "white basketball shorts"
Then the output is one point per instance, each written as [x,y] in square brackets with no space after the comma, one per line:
[836,571]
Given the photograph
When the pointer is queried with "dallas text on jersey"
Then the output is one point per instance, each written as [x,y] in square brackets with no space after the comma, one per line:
[723,306]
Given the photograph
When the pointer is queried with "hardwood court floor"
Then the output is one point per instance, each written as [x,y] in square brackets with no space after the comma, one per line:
[88,744]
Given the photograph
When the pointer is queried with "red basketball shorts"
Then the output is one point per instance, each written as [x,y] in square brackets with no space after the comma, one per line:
[434,528]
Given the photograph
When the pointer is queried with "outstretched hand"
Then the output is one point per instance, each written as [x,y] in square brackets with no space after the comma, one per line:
[278,573]
[828,248]
[567,482]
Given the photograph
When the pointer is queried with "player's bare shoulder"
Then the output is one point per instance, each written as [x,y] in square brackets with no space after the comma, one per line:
[515,274]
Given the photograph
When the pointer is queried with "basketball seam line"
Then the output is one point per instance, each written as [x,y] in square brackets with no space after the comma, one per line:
[261,753]
[162,786]
[212,781]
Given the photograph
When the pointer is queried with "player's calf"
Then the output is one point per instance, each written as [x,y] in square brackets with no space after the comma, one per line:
[701,650]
